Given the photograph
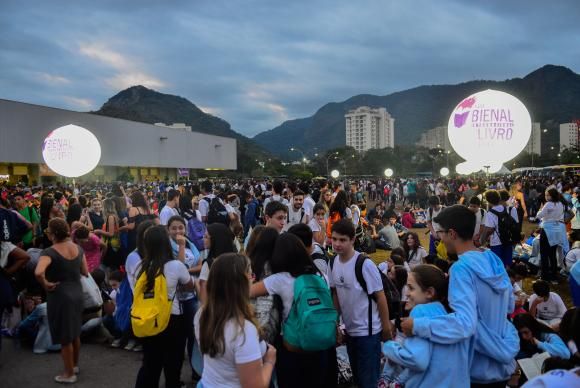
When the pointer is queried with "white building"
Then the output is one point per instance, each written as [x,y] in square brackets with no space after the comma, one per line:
[534,145]
[368,128]
[181,126]
[568,136]
[145,151]
[435,138]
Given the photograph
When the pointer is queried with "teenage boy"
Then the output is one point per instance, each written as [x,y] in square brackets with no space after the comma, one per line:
[481,297]
[475,207]
[29,213]
[363,338]
[275,215]
[170,208]
[296,213]
[491,227]
[277,191]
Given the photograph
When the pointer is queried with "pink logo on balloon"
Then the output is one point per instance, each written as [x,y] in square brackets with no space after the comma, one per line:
[467,103]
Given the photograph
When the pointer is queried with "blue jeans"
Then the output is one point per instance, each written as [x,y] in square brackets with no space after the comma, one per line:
[504,252]
[364,354]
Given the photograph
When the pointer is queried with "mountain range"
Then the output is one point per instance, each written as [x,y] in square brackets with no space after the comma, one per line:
[551,94]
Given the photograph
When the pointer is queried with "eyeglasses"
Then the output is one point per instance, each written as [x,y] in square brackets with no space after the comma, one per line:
[442,231]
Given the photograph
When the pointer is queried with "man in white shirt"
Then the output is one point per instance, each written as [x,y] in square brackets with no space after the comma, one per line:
[364,335]
[277,189]
[308,201]
[475,207]
[491,227]
[171,207]
[296,212]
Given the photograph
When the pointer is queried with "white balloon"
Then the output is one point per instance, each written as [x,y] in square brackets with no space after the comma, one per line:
[489,128]
[389,172]
[334,174]
[71,151]
[444,171]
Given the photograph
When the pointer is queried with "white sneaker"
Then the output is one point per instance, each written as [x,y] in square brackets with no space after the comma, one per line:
[130,345]
[138,348]
[116,343]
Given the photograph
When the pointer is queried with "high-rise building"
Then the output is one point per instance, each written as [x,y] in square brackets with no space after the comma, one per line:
[569,136]
[368,128]
[435,138]
[534,145]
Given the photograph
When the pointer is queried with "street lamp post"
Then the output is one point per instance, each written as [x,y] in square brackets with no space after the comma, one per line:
[303,157]
[330,156]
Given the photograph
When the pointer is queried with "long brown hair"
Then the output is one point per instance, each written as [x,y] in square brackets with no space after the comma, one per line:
[428,275]
[228,298]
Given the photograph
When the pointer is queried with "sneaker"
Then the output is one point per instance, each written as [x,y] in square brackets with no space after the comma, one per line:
[116,343]
[138,348]
[76,370]
[130,345]
[65,380]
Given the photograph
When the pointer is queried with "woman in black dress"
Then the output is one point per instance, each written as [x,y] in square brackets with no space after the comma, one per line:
[59,271]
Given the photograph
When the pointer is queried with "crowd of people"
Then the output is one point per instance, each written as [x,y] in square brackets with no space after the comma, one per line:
[260,283]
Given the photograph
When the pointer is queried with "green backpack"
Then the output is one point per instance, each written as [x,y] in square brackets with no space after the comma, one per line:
[311,323]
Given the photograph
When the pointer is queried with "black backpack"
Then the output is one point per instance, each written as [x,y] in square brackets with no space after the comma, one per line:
[391,293]
[217,212]
[508,229]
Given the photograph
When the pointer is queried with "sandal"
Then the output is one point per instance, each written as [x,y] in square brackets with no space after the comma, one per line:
[65,380]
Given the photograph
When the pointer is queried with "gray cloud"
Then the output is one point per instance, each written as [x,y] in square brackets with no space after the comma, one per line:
[258,63]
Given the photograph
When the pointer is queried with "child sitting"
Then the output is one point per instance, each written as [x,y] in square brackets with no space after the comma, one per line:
[415,362]
[547,307]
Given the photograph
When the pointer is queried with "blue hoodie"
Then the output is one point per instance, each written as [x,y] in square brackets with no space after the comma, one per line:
[481,296]
[423,358]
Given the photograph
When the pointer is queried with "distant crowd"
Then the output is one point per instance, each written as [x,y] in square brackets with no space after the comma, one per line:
[258,283]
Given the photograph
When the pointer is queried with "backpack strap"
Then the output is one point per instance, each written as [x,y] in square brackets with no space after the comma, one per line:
[358,267]
[301,215]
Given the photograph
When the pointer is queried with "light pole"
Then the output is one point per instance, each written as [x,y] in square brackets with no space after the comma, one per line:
[330,156]
[303,157]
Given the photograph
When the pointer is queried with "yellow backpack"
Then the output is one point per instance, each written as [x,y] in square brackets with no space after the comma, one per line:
[151,310]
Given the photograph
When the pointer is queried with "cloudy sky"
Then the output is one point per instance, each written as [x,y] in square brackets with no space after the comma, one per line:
[258,63]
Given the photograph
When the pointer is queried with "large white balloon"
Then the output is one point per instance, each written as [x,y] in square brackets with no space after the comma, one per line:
[489,128]
[71,151]
[334,174]
[444,171]
[389,172]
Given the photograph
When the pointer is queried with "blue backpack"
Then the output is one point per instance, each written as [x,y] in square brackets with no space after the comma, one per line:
[195,232]
[124,303]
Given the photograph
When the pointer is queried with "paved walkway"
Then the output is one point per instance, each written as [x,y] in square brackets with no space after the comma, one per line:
[100,366]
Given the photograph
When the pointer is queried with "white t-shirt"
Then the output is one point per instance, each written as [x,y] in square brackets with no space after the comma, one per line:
[432,213]
[309,206]
[204,273]
[204,205]
[552,211]
[479,218]
[241,346]
[281,284]
[295,217]
[166,213]
[416,257]
[277,198]
[491,222]
[352,298]
[132,266]
[554,308]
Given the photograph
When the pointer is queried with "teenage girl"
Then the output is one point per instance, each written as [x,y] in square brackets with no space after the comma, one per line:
[415,362]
